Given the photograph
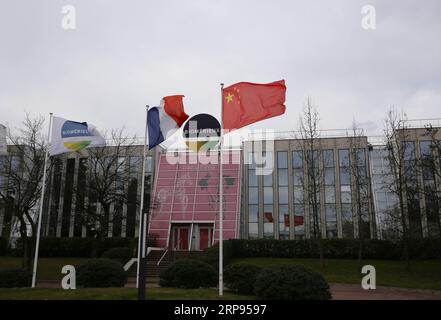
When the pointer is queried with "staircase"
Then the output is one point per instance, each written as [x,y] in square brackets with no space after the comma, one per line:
[153,269]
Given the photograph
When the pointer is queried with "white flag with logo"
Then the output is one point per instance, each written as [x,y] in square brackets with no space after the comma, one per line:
[68,136]
[3,148]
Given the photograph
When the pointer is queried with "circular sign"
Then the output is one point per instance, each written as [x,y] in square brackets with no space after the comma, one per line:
[201,132]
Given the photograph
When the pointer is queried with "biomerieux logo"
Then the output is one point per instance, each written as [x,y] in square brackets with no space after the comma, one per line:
[77,133]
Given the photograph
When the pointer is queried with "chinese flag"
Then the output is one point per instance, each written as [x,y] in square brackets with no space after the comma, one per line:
[244,103]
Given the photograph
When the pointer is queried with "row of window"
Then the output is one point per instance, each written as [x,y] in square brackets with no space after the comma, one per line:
[328,170]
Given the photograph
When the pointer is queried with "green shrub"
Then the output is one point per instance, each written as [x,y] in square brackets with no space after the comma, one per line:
[291,282]
[241,277]
[211,255]
[334,248]
[101,273]
[188,274]
[15,278]
[81,247]
[120,254]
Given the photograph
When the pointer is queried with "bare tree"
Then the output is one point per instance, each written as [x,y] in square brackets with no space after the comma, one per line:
[111,170]
[23,172]
[361,183]
[309,141]
[404,185]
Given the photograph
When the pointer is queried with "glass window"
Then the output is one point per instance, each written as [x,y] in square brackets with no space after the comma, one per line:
[253,230]
[252,178]
[284,222]
[298,177]
[253,211]
[282,160]
[330,194]
[299,226]
[329,176]
[345,178]
[298,195]
[313,159]
[134,163]
[409,150]
[299,210]
[253,195]
[268,213]
[328,158]
[331,214]
[343,156]
[268,230]
[251,160]
[345,196]
[283,195]
[297,159]
[148,164]
[425,148]
[268,161]
[268,195]
[347,225]
[283,177]
[361,174]
[360,157]
[268,180]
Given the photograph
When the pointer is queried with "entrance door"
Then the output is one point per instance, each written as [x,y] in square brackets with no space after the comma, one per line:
[183,239]
[180,238]
[203,238]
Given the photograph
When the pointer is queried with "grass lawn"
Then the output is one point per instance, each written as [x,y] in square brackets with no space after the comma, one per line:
[422,275]
[48,268]
[117,294]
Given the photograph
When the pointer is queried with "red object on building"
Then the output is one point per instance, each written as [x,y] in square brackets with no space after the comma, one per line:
[298,220]
[286,219]
[269,216]
[244,103]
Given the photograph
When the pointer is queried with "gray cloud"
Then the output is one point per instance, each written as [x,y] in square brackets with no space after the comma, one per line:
[124,55]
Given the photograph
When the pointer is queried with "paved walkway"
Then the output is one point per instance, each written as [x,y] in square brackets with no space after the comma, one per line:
[355,292]
[339,291]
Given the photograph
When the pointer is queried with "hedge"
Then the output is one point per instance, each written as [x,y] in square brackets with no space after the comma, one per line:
[188,273]
[211,255]
[333,248]
[101,273]
[81,247]
[291,282]
[120,254]
[15,278]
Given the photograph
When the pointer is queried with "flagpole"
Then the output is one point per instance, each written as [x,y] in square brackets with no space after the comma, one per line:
[40,214]
[140,275]
[221,202]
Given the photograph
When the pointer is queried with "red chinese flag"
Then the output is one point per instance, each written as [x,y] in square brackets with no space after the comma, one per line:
[286,217]
[269,216]
[245,103]
[298,220]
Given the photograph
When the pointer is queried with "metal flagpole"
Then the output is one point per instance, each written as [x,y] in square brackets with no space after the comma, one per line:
[221,201]
[140,275]
[40,213]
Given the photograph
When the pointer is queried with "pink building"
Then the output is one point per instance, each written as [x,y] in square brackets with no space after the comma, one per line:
[186,200]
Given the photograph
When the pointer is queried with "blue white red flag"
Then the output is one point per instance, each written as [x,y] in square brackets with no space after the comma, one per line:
[164,120]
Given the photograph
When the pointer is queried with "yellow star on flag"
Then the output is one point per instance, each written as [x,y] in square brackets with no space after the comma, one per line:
[229,97]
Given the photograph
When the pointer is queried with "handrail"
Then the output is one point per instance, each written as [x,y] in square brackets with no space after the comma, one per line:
[163,256]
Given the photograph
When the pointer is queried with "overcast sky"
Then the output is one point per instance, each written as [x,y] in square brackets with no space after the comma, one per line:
[125,54]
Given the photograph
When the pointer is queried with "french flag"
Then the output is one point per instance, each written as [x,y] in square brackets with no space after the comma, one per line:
[165,119]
